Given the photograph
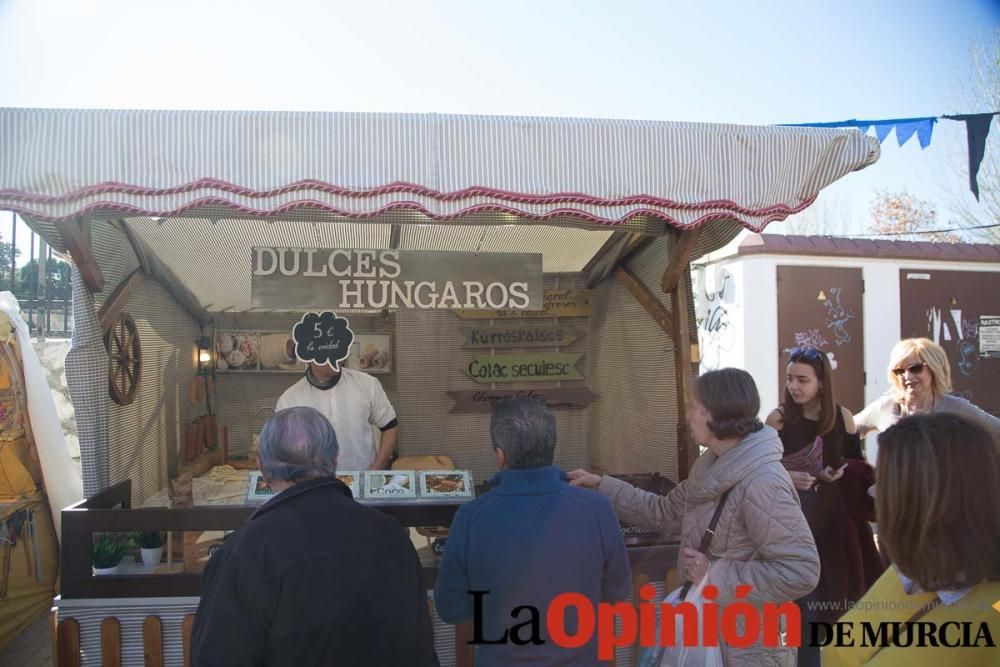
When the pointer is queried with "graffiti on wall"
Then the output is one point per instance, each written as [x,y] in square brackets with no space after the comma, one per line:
[953,328]
[813,338]
[838,317]
[810,338]
[715,296]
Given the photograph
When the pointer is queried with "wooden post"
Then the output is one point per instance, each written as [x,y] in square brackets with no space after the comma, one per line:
[681,246]
[687,450]
[68,645]
[152,641]
[76,238]
[187,627]
[646,299]
[111,642]
[113,306]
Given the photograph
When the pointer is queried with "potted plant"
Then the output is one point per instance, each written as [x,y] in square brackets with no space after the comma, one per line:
[151,545]
[107,552]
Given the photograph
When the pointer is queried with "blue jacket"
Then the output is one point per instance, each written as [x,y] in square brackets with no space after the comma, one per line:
[529,539]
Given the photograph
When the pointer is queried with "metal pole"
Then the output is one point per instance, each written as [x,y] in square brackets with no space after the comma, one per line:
[65,297]
[45,254]
[13,252]
[33,285]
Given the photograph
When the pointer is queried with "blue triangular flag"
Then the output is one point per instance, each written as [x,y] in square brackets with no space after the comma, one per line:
[922,128]
[882,130]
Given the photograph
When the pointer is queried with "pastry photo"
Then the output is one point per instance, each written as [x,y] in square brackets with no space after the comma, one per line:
[374,353]
[444,483]
[352,479]
[236,350]
[386,484]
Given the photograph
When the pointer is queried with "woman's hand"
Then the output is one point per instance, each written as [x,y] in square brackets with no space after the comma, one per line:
[581,477]
[829,475]
[694,564]
[803,481]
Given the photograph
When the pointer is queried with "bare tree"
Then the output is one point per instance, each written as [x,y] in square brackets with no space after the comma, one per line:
[980,92]
[901,216]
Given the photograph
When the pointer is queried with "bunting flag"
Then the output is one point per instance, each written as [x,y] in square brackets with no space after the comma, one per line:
[905,128]
[977,129]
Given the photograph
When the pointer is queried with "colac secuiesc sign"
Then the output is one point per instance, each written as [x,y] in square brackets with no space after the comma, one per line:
[314,278]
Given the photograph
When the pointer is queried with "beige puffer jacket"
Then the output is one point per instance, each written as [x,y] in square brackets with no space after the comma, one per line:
[762,538]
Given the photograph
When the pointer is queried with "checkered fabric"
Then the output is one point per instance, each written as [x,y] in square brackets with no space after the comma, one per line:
[87,378]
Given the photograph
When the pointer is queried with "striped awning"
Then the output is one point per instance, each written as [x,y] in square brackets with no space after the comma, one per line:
[609,174]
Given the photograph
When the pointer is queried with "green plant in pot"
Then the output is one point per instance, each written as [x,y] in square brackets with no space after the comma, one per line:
[151,545]
[107,552]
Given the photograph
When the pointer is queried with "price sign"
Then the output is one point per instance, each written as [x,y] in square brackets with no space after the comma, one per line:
[322,338]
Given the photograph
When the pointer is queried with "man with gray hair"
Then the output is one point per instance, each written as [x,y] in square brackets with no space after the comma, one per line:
[531,538]
[313,578]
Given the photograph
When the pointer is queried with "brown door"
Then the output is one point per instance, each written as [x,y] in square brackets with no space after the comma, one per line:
[945,306]
[822,307]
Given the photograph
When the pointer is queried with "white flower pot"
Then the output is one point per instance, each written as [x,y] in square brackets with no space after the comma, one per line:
[106,570]
[152,557]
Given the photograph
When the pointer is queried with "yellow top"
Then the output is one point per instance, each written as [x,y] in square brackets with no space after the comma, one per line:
[888,602]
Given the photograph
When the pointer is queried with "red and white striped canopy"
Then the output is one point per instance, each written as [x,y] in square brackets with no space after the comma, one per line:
[643,176]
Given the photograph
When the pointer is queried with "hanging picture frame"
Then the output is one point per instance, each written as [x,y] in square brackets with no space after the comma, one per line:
[372,353]
[242,351]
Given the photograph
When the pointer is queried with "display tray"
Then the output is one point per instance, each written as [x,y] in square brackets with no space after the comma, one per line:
[259,491]
[388,486]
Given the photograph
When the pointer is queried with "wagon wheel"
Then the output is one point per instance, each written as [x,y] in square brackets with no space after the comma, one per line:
[124,359]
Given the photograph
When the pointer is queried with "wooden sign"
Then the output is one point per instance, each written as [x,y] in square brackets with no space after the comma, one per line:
[313,278]
[525,335]
[558,303]
[480,401]
[525,367]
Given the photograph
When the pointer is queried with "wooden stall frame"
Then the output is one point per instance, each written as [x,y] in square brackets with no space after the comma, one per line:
[110,511]
[101,514]
[674,324]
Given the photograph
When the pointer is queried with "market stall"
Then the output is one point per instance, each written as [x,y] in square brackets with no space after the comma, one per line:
[200,238]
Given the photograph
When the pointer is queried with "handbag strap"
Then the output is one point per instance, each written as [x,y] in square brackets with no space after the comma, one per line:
[706,539]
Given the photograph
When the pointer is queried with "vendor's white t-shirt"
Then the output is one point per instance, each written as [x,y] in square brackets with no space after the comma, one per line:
[353,406]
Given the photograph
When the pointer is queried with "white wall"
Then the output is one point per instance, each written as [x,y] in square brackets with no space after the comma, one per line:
[743,320]
[750,338]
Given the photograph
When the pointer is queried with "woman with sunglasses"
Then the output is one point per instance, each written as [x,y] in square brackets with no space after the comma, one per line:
[822,453]
[920,382]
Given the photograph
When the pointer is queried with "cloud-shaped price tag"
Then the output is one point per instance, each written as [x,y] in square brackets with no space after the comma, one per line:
[323,338]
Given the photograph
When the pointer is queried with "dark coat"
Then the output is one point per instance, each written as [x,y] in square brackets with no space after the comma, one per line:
[314,578]
[849,560]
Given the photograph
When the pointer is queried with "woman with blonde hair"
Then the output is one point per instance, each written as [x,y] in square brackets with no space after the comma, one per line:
[938,508]
[920,381]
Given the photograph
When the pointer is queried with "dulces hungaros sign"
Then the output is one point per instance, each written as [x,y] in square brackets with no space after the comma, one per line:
[307,278]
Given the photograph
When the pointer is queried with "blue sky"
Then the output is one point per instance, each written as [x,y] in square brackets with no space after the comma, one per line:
[725,61]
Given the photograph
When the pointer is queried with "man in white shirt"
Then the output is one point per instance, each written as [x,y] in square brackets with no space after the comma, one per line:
[353,402]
